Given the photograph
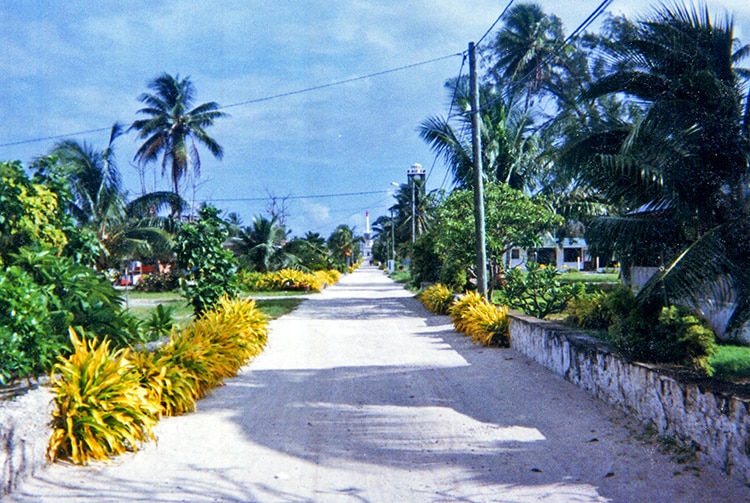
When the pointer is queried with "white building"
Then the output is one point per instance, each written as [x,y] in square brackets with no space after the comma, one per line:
[573,254]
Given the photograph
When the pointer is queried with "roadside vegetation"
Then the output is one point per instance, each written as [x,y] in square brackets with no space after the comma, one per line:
[635,138]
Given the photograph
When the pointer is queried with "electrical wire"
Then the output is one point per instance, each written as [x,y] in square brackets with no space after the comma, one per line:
[259,100]
[315,196]
[339,82]
[495,23]
[581,27]
[55,137]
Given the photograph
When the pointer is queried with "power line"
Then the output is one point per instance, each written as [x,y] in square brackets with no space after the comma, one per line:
[55,137]
[259,100]
[315,196]
[585,24]
[495,23]
[339,82]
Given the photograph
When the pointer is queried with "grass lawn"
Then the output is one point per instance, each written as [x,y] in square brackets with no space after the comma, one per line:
[589,277]
[731,363]
[400,275]
[183,314]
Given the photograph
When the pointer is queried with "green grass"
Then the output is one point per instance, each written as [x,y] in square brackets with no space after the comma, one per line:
[155,296]
[731,363]
[589,277]
[183,313]
[401,276]
[274,308]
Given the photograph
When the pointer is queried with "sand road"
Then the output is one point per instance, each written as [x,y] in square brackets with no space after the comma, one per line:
[363,396]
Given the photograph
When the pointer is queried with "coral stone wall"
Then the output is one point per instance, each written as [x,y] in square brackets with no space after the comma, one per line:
[717,422]
[24,434]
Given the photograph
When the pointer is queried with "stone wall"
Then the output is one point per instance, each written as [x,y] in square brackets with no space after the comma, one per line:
[24,433]
[687,408]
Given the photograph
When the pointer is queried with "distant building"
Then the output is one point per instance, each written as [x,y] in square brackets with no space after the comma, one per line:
[571,254]
[368,241]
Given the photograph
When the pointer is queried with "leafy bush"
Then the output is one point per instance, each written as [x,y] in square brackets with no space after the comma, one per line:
[488,324]
[436,298]
[211,267]
[159,282]
[161,322]
[538,292]
[484,322]
[589,310]
[453,275]
[102,409]
[288,280]
[79,296]
[28,343]
[459,311]
[41,296]
[214,347]
[654,333]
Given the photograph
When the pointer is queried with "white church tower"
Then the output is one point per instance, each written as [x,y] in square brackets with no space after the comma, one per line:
[367,244]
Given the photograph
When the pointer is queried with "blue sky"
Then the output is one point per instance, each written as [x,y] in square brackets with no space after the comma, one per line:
[78,66]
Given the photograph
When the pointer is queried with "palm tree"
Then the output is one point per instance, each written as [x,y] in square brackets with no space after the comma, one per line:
[93,178]
[123,230]
[310,251]
[681,170]
[172,127]
[526,50]
[344,245]
[259,246]
[509,149]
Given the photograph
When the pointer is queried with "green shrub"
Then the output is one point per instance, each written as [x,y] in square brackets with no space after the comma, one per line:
[486,323]
[28,343]
[589,310]
[161,322]
[453,275]
[159,282]
[102,409]
[652,333]
[436,298]
[211,267]
[539,291]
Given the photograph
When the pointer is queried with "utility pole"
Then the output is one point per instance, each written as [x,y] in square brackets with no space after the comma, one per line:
[476,150]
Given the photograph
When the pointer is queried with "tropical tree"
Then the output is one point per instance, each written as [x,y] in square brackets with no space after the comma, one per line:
[512,219]
[344,246]
[526,50]
[260,246]
[211,267]
[384,246]
[310,251]
[173,126]
[123,229]
[413,204]
[509,147]
[31,214]
[680,170]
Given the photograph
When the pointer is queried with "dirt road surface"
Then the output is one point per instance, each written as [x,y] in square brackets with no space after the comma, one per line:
[363,396]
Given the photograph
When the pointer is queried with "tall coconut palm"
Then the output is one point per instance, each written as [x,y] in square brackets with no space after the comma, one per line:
[94,179]
[526,49]
[509,150]
[173,126]
[682,169]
